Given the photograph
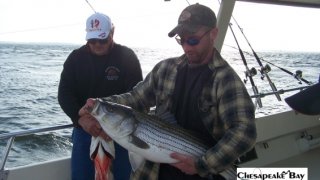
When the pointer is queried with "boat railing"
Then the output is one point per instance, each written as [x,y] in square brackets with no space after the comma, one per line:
[281,91]
[13,135]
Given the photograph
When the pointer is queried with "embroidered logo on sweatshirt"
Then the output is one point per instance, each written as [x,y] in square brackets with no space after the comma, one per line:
[112,73]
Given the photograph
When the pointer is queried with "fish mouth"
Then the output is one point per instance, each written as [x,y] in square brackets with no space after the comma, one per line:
[94,109]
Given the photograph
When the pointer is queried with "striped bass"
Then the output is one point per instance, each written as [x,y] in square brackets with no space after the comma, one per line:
[148,137]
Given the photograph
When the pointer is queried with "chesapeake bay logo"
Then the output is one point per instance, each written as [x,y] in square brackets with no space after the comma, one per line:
[272,173]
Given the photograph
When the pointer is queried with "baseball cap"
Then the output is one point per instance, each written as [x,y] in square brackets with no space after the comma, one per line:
[98,26]
[306,101]
[193,17]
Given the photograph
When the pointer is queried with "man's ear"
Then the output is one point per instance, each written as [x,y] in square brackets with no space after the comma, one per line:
[112,30]
[214,33]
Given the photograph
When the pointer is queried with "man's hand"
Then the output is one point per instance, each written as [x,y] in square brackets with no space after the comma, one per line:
[87,108]
[185,163]
[89,123]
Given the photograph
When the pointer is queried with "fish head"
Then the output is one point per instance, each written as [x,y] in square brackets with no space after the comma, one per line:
[115,119]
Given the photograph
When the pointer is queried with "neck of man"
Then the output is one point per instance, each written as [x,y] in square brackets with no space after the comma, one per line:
[207,58]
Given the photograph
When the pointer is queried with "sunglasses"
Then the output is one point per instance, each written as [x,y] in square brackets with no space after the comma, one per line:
[100,41]
[191,41]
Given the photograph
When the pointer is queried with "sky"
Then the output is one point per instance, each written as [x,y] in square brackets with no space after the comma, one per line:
[146,23]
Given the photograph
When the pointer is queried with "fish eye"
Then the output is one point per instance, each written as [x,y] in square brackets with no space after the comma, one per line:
[109,109]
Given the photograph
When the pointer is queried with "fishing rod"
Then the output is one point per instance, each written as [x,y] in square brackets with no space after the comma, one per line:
[263,69]
[91,6]
[281,91]
[297,75]
[249,73]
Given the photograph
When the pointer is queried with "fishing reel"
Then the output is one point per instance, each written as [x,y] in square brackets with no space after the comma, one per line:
[250,73]
[264,70]
[298,76]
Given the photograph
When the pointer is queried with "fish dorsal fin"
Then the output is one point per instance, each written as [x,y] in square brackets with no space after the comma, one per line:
[138,142]
[135,160]
[165,117]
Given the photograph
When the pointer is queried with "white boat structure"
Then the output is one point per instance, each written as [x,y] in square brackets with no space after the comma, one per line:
[286,139]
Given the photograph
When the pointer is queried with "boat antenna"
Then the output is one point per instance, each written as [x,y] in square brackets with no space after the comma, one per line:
[263,69]
[91,6]
[249,72]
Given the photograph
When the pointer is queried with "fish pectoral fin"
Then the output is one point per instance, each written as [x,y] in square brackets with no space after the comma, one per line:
[138,142]
[98,143]
[95,143]
[135,160]
[108,147]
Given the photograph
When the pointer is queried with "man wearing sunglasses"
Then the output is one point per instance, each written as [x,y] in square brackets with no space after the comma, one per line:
[204,94]
[99,68]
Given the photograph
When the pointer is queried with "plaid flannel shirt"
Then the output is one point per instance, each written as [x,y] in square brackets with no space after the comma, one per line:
[226,107]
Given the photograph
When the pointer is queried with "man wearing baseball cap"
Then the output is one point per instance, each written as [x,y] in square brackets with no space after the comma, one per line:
[204,95]
[99,68]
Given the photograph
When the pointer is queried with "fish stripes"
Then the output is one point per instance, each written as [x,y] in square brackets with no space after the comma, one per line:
[176,142]
[169,128]
[153,135]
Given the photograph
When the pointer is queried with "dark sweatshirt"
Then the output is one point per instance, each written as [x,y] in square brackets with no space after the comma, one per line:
[85,75]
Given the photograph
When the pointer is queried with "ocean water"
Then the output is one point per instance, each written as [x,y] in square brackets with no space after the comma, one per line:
[29,78]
